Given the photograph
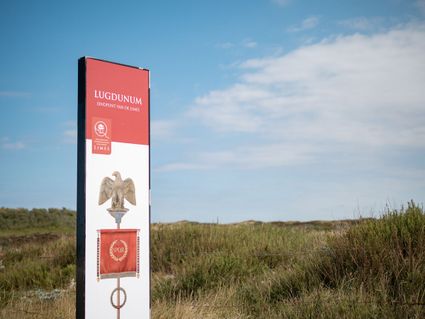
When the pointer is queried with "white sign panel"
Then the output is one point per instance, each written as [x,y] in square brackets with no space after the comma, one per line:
[113,263]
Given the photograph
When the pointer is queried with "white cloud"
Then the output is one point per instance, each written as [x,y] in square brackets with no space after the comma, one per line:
[224,107]
[247,157]
[72,124]
[163,129]
[70,136]
[225,45]
[7,144]
[70,133]
[354,94]
[361,23]
[306,24]
[248,43]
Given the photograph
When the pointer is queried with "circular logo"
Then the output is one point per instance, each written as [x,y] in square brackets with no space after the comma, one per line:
[118,250]
[101,128]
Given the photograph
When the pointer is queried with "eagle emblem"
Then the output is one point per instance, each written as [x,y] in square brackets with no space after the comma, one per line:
[117,190]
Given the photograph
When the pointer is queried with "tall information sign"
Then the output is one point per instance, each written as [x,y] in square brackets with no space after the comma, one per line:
[113,195]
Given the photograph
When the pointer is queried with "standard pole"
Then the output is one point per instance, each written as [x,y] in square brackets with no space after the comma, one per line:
[118,298]
[118,291]
[118,287]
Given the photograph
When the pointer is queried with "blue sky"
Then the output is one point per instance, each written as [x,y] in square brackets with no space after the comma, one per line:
[266,110]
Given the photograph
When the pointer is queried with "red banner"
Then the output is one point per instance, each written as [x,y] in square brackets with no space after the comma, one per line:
[117,100]
[118,253]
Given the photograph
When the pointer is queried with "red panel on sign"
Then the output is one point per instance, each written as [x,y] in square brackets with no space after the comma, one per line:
[119,94]
[118,253]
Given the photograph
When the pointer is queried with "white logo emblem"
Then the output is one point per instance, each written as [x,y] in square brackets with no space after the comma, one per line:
[101,129]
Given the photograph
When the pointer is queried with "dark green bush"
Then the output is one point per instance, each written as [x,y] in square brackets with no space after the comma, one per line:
[22,218]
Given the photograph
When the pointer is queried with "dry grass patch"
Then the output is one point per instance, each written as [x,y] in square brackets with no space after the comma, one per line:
[40,304]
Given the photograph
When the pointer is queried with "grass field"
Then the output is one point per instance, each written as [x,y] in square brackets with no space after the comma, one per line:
[371,268]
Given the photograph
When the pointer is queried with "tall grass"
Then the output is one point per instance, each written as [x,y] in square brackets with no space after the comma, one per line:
[39,265]
[385,257]
[16,221]
[372,268]
[195,258]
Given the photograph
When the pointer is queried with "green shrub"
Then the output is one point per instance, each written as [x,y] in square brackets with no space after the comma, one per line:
[38,265]
[37,218]
[388,253]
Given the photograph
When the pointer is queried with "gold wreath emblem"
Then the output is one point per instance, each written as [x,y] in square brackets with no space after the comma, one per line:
[111,250]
